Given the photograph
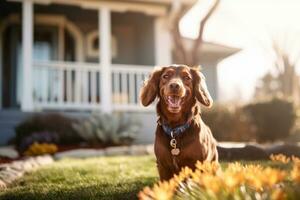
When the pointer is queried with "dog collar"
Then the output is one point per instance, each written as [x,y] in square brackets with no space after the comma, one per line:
[174,132]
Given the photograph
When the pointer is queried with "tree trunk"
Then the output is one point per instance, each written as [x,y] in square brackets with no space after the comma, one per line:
[184,55]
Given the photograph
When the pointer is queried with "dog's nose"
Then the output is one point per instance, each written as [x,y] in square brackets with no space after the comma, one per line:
[174,86]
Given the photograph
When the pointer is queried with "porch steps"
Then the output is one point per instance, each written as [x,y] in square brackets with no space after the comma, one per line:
[8,120]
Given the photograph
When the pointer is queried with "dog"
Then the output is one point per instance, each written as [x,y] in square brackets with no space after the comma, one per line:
[181,138]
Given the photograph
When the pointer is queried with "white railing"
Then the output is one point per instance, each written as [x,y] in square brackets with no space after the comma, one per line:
[69,85]
[126,84]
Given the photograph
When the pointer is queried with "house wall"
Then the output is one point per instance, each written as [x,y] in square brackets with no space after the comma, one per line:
[134,32]
[209,70]
[209,61]
[147,133]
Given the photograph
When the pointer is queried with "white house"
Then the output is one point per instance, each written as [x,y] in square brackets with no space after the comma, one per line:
[82,55]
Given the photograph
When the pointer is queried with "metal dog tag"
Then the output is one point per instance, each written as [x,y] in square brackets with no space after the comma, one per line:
[173,143]
[175,152]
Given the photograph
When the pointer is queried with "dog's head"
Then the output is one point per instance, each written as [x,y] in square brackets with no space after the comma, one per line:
[176,86]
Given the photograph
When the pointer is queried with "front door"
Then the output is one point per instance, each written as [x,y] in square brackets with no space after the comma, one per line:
[44,49]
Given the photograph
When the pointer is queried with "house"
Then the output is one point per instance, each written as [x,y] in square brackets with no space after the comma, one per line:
[210,54]
[83,55]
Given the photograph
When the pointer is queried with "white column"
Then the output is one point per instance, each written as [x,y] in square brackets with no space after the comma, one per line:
[163,47]
[61,42]
[1,51]
[27,44]
[105,58]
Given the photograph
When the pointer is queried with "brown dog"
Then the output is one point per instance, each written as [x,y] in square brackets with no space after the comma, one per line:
[181,137]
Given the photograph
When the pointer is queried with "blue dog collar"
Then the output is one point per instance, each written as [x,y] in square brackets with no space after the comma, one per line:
[174,132]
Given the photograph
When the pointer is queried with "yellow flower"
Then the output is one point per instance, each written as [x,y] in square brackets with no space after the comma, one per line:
[211,182]
[295,159]
[278,194]
[295,173]
[40,149]
[280,158]
[272,176]
[208,167]
[233,179]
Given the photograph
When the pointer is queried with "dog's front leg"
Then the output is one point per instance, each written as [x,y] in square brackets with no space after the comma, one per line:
[165,173]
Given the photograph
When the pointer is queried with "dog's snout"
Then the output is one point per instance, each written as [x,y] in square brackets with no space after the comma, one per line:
[174,86]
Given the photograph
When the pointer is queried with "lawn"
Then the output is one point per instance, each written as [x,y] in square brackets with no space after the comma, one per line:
[94,178]
[120,177]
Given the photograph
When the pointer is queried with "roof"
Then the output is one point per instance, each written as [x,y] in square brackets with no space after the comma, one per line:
[214,47]
[161,6]
[167,2]
[210,49]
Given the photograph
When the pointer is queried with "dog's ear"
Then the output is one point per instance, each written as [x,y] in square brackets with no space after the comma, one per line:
[200,88]
[149,90]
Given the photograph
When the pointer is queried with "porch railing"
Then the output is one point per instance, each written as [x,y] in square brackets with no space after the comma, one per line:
[73,86]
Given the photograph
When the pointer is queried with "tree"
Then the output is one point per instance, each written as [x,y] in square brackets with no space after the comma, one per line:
[284,81]
[183,54]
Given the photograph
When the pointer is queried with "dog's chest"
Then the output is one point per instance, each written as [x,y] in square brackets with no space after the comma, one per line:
[188,155]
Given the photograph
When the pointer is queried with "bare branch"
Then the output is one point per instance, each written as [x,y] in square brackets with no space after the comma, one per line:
[175,16]
[179,48]
[198,42]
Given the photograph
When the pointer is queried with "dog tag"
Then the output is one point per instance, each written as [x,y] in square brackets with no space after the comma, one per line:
[175,151]
[173,143]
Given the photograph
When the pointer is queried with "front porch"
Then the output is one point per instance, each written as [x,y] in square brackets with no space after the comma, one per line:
[75,85]
[85,72]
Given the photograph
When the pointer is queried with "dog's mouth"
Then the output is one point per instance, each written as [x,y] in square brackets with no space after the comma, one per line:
[174,103]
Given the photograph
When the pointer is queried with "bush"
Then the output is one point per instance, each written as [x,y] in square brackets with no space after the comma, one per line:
[41,126]
[273,119]
[39,137]
[228,124]
[106,129]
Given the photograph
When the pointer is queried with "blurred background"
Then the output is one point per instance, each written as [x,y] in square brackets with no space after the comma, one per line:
[71,71]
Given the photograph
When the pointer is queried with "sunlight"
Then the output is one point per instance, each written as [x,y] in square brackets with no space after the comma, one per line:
[234,24]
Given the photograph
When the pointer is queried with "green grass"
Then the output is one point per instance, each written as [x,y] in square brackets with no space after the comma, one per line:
[120,177]
[94,178]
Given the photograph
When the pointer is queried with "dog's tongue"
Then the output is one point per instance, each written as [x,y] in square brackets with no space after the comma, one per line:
[174,101]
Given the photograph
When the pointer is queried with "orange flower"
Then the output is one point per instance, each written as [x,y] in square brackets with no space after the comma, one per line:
[233,179]
[280,158]
[272,176]
[213,182]
[278,194]
[295,173]
[161,191]
[295,159]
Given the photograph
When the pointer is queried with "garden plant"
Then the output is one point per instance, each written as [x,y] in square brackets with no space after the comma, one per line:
[237,181]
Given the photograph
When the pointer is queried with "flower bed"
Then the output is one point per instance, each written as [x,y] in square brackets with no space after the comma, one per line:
[237,181]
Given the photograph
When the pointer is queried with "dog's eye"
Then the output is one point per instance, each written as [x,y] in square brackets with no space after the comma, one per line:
[165,76]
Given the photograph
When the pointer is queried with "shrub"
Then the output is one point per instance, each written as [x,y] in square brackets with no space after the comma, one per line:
[273,119]
[40,149]
[108,129]
[39,137]
[52,123]
[237,181]
[228,124]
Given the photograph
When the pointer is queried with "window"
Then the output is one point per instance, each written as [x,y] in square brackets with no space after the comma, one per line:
[92,41]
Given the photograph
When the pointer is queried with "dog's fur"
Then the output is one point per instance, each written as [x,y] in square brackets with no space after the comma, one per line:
[179,90]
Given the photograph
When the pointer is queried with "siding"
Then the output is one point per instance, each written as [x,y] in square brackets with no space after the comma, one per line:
[210,72]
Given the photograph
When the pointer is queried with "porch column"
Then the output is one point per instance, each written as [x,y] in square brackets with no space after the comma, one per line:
[163,47]
[105,58]
[27,43]
[1,70]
